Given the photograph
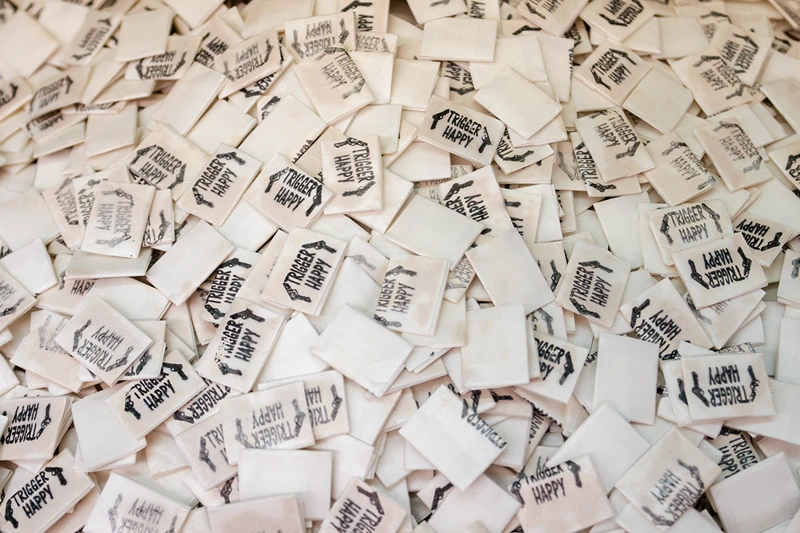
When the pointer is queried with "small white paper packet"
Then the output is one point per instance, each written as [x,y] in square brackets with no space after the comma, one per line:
[668,479]
[282,512]
[447,432]
[494,335]
[362,350]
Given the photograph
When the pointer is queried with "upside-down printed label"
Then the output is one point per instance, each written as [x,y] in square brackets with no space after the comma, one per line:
[353,171]
[739,163]
[593,283]
[97,28]
[310,36]
[566,497]
[273,418]
[118,219]
[229,277]
[371,15]
[287,195]
[461,131]
[103,340]
[14,93]
[249,60]
[679,175]
[216,40]
[617,18]
[688,225]
[126,505]
[719,270]
[172,64]
[613,70]
[220,184]
[167,160]
[304,271]
[614,145]
[713,82]
[203,405]
[61,200]
[738,452]
[668,479]
[39,500]
[58,91]
[411,294]
[553,17]
[327,406]
[660,316]
[239,349]
[203,446]
[720,387]
[33,428]
[363,508]
[764,237]
[142,405]
[334,83]
[477,196]
[560,364]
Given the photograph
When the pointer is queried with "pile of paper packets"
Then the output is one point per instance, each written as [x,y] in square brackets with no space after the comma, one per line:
[419,266]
